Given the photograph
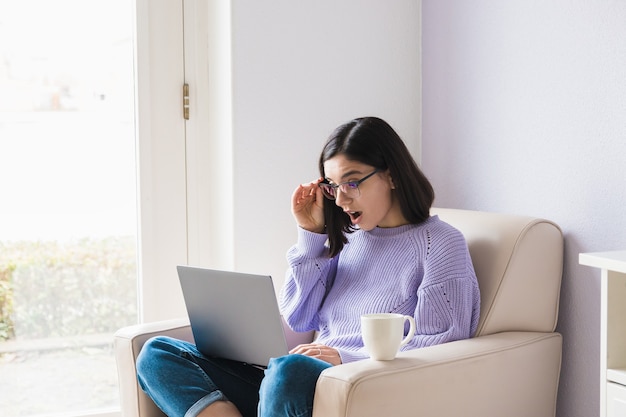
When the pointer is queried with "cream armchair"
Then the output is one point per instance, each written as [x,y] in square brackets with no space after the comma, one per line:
[509,369]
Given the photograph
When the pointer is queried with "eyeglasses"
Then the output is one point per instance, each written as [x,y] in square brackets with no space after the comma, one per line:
[349,188]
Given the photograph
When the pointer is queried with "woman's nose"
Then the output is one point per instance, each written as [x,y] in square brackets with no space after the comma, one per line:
[339,197]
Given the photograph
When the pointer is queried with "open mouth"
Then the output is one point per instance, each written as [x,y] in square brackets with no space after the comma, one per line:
[354,216]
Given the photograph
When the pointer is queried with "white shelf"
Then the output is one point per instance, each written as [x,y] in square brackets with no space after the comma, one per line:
[612,329]
[616,375]
[613,261]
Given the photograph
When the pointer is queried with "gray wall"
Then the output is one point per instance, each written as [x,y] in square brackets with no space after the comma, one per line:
[524,111]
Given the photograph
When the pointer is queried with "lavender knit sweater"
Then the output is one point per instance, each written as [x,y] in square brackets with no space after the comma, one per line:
[422,270]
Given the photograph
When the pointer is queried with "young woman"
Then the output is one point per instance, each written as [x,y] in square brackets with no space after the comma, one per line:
[366,244]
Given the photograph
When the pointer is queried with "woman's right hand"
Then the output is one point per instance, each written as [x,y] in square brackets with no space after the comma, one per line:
[307,206]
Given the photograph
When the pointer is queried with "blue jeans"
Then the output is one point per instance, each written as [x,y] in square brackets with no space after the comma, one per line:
[183,382]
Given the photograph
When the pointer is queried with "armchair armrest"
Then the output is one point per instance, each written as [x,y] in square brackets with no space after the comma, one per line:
[127,344]
[472,378]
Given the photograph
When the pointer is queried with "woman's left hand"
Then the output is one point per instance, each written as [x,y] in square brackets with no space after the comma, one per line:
[322,352]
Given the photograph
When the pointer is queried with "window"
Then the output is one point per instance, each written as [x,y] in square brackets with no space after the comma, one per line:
[68,223]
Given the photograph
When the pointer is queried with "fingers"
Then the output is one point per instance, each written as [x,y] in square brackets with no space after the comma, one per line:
[307,206]
[318,351]
[309,349]
[302,195]
[306,192]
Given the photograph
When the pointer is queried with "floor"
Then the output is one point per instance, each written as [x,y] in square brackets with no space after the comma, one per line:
[53,381]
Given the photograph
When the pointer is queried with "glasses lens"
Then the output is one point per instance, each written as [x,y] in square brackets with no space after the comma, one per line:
[350,189]
[328,190]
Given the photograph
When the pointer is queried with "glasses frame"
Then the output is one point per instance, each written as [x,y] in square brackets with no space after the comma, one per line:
[354,185]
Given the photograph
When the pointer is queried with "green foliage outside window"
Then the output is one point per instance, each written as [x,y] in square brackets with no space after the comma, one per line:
[6,301]
[58,289]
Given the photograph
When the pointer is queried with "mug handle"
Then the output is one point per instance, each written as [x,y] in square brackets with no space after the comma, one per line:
[412,330]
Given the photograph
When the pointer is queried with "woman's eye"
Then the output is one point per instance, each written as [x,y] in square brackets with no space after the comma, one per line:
[352,185]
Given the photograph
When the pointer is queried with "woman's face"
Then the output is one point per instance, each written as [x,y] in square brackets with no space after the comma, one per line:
[376,205]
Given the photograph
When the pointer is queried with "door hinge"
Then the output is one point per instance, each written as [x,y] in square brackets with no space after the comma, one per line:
[186,101]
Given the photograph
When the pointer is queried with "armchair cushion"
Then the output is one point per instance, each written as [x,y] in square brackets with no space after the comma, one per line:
[518,262]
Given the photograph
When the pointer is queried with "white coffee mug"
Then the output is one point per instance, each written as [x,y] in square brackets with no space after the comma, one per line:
[383,334]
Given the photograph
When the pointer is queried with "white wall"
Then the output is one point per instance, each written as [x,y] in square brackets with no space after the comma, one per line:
[268,83]
[299,69]
[524,110]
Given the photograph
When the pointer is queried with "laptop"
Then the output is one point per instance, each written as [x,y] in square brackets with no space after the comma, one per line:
[235,315]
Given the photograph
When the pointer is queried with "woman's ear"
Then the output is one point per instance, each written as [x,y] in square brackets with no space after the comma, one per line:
[391,184]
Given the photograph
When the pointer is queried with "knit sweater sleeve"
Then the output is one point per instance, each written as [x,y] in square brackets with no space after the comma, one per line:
[309,276]
[448,299]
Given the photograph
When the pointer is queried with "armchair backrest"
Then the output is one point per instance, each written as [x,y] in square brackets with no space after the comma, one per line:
[518,262]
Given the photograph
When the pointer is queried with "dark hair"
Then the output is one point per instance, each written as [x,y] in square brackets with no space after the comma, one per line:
[372,141]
